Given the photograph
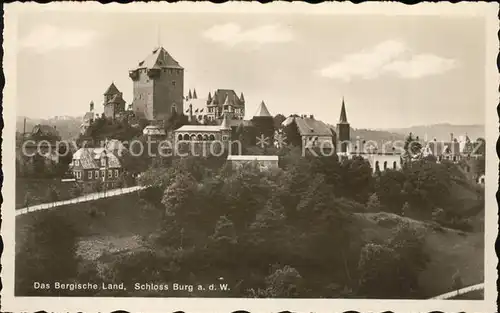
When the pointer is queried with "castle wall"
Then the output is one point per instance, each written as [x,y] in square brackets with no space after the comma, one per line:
[168,90]
[143,95]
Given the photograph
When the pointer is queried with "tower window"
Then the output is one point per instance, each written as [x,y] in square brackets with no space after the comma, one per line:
[173,83]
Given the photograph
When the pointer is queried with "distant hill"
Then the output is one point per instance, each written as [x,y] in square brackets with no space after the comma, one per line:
[67,126]
[442,131]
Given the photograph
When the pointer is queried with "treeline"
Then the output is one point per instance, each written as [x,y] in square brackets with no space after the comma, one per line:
[290,232]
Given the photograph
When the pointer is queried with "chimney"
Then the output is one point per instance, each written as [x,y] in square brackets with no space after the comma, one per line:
[311,117]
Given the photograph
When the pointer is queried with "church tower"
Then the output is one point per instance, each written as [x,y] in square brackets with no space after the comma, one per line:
[343,130]
[158,86]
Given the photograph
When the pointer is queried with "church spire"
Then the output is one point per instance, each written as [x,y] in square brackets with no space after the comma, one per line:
[195,96]
[343,115]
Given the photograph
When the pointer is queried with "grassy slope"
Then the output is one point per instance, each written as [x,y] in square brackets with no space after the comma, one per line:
[117,222]
[38,190]
[448,249]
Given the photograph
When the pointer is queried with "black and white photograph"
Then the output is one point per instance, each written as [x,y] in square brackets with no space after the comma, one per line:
[244,151]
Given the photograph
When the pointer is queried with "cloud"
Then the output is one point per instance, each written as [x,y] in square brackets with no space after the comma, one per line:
[231,34]
[46,38]
[387,57]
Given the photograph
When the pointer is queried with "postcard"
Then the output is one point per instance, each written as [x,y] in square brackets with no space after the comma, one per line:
[203,157]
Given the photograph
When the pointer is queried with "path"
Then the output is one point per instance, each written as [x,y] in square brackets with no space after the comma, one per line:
[84,198]
[458,292]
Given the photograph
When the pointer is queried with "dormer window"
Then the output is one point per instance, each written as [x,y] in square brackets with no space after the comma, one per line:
[103,161]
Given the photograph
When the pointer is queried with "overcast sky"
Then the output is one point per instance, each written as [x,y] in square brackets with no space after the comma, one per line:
[392,71]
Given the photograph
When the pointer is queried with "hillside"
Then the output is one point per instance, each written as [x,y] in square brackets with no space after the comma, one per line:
[442,131]
[67,126]
[448,250]
[119,225]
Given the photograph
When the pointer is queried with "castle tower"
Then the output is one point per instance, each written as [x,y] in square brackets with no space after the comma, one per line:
[225,129]
[343,130]
[263,122]
[158,86]
[113,102]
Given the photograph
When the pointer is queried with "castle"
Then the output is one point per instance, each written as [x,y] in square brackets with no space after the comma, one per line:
[158,93]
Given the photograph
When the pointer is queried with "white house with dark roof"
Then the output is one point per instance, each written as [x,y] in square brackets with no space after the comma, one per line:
[96,164]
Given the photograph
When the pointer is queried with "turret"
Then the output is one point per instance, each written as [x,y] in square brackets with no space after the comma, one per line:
[263,122]
[209,98]
[242,98]
[190,96]
[194,94]
[343,130]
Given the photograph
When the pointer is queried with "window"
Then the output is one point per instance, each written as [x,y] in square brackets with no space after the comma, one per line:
[77,162]
[179,137]
[78,174]
[186,137]
[199,137]
[110,174]
[212,137]
[394,165]
[103,162]
[96,174]
[193,137]
[173,83]
[116,173]
[90,174]
[103,173]
[225,137]
[385,165]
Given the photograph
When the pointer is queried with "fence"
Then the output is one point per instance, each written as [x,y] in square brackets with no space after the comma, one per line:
[458,292]
[84,198]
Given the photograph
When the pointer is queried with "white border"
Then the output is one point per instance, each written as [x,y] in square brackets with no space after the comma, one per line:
[28,304]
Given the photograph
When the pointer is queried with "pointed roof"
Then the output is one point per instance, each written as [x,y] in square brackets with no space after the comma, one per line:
[343,115]
[112,90]
[225,124]
[195,96]
[190,96]
[242,98]
[262,111]
[159,58]
[209,99]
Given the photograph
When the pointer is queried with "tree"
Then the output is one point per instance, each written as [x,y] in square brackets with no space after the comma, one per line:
[278,119]
[376,272]
[373,204]
[175,121]
[405,209]
[48,254]
[283,282]
[178,197]
[389,187]
[391,269]
[292,135]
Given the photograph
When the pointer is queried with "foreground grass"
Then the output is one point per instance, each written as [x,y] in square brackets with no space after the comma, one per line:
[449,250]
